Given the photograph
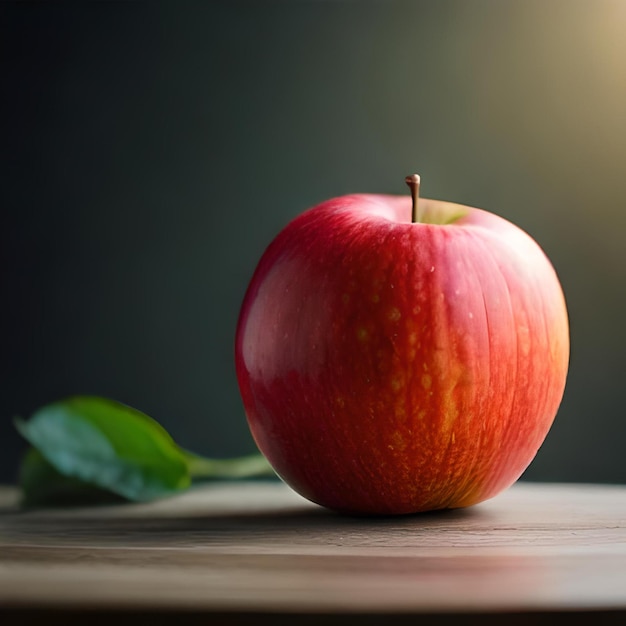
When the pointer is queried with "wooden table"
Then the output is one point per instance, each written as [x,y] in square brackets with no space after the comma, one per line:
[245,553]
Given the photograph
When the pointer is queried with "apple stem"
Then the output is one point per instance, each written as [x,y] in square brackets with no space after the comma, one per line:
[413,182]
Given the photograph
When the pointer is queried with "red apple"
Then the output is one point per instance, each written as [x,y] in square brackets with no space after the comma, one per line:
[392,363]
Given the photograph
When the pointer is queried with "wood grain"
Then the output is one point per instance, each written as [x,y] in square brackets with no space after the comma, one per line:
[259,549]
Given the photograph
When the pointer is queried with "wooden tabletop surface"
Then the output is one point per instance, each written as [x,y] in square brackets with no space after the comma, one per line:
[247,550]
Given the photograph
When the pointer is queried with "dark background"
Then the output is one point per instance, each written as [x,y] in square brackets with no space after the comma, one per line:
[150,153]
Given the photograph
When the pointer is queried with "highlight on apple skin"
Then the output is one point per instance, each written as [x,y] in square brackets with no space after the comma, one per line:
[397,356]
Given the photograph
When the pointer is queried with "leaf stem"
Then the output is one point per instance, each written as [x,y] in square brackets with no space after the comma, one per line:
[239,467]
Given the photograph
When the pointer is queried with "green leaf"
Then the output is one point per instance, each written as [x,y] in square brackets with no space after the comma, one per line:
[107,444]
[42,485]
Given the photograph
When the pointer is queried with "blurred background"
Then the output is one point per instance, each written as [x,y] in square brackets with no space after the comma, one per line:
[150,153]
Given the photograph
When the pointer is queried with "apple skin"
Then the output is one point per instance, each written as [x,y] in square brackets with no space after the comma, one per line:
[391,367]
